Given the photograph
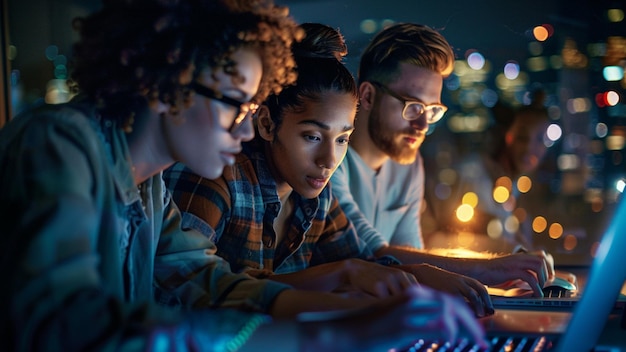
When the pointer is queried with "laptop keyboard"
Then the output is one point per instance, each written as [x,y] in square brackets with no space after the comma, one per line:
[497,343]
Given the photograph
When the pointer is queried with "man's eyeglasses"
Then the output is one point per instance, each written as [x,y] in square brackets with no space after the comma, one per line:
[244,109]
[414,109]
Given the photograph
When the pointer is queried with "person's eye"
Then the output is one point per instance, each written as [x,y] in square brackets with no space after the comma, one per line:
[312,138]
[343,140]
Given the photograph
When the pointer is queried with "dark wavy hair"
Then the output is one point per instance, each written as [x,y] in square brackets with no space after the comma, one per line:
[136,51]
[320,69]
[410,43]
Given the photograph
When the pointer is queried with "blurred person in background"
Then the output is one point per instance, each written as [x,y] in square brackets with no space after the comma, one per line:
[514,148]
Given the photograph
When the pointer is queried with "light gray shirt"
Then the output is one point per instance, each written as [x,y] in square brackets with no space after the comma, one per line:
[385,205]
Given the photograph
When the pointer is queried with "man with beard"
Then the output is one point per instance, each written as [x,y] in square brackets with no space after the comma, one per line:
[380,184]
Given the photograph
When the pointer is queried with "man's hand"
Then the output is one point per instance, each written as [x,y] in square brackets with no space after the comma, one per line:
[535,268]
[455,284]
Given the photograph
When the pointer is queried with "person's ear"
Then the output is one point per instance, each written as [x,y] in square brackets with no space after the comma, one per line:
[367,94]
[265,124]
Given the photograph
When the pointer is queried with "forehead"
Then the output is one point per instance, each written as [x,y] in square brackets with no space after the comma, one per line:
[244,74]
[330,108]
[419,82]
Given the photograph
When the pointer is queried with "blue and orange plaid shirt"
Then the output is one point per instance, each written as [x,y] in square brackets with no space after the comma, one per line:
[237,211]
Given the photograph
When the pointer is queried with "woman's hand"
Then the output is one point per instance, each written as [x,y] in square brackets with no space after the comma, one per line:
[394,322]
[472,290]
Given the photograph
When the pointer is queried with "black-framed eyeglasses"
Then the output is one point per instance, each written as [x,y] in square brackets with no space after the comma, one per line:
[244,109]
[414,109]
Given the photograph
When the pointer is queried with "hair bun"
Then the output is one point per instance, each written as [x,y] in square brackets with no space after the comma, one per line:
[321,42]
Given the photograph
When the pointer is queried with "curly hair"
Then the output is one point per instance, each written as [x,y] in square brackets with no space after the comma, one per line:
[133,51]
[410,43]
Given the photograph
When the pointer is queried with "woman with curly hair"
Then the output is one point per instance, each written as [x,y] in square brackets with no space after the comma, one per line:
[90,239]
[89,236]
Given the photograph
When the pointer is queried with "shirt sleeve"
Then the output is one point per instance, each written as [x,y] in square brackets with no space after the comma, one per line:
[190,253]
[56,294]
[340,182]
[189,272]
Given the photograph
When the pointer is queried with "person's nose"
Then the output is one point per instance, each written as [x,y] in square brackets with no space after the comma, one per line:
[326,157]
[245,131]
[420,123]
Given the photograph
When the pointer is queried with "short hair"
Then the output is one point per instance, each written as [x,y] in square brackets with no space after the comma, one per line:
[320,69]
[131,51]
[410,43]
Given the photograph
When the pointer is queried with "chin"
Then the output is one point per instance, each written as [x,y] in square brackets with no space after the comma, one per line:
[310,194]
[211,172]
[405,158]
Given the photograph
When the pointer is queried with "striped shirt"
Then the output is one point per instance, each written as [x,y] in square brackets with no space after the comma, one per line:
[237,211]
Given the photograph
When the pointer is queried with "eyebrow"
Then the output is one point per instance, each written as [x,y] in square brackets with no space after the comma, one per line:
[323,125]
[411,98]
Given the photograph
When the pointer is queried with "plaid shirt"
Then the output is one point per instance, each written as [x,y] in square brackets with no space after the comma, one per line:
[240,208]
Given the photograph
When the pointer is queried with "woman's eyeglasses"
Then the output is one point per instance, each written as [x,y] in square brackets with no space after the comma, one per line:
[414,109]
[244,109]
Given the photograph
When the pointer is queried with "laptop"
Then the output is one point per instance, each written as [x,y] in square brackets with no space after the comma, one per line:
[558,294]
[588,318]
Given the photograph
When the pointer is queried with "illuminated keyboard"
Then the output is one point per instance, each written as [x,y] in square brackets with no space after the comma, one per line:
[497,343]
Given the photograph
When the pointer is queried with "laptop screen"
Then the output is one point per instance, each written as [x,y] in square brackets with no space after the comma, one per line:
[606,278]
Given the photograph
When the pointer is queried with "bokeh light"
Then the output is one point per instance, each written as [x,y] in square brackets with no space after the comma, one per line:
[524,184]
[540,33]
[555,231]
[470,198]
[489,98]
[443,191]
[612,98]
[494,229]
[51,52]
[615,15]
[539,224]
[465,212]
[511,70]
[505,182]
[578,105]
[601,129]
[613,73]
[369,26]
[520,214]
[554,132]
[511,224]
[500,194]
[476,61]
[570,242]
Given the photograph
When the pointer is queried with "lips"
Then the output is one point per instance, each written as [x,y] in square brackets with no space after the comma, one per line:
[412,138]
[317,182]
[227,158]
